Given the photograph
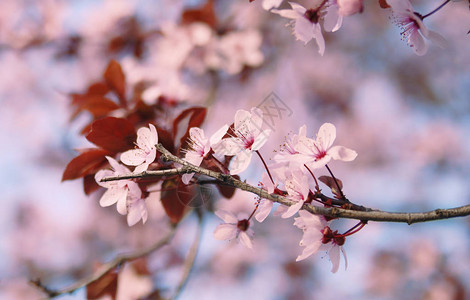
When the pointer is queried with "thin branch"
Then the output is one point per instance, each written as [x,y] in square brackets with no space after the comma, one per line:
[150,174]
[104,269]
[191,258]
[365,214]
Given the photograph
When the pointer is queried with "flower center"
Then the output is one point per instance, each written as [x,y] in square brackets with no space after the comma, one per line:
[243,225]
[312,15]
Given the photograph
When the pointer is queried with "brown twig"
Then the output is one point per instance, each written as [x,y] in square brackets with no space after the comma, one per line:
[104,269]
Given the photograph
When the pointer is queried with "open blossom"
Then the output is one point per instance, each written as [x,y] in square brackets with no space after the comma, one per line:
[305,23]
[248,136]
[145,153]
[317,153]
[288,154]
[200,146]
[234,228]
[297,190]
[126,193]
[413,28]
[318,236]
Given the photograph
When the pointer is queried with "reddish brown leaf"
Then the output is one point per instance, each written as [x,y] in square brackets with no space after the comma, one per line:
[227,191]
[99,106]
[98,88]
[105,286]
[175,195]
[113,134]
[205,14]
[89,184]
[191,117]
[115,79]
[88,162]
[330,182]
[383,4]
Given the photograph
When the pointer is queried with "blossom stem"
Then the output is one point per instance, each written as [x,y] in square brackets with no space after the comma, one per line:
[354,229]
[336,182]
[219,164]
[438,8]
[254,210]
[317,187]
[266,166]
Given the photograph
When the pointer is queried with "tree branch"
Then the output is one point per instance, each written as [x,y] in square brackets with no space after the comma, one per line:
[104,269]
[365,214]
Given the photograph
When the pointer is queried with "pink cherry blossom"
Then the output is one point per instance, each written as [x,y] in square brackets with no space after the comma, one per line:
[200,147]
[234,228]
[297,190]
[288,156]
[126,193]
[305,24]
[248,136]
[413,28]
[312,226]
[145,153]
[317,153]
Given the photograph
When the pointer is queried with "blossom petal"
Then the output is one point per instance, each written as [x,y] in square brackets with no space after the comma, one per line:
[264,209]
[342,153]
[326,135]
[416,41]
[303,30]
[437,39]
[227,216]
[229,146]
[245,240]
[112,196]
[268,4]
[225,232]
[334,258]
[260,140]
[133,157]
[137,211]
[147,138]
[309,250]
[241,162]
[293,209]
[218,135]
[345,257]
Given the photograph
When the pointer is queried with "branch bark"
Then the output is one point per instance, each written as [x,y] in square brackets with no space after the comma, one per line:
[367,214]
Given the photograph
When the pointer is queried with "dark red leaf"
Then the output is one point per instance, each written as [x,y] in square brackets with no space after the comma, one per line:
[205,14]
[106,285]
[98,89]
[227,191]
[88,162]
[99,106]
[175,197]
[191,117]
[115,79]
[383,4]
[113,134]
[330,182]
[89,184]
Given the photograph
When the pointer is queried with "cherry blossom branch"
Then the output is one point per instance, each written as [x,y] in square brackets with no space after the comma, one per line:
[355,212]
[104,269]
